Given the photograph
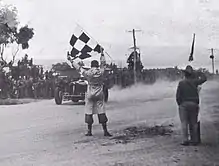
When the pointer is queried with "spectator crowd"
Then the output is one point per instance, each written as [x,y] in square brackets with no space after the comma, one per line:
[26,80]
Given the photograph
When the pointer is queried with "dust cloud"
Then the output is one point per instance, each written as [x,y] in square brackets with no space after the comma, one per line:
[157,91]
[141,92]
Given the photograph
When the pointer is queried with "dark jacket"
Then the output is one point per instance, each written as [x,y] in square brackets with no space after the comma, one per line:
[187,89]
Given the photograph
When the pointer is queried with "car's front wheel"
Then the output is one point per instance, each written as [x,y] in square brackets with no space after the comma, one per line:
[58,96]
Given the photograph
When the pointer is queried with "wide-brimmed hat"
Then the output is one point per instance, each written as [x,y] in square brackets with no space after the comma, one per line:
[188,69]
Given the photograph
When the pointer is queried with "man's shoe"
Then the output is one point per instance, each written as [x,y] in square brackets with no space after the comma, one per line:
[194,143]
[185,143]
[107,134]
[88,134]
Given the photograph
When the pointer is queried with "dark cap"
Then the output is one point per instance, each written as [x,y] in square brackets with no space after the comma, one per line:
[188,69]
[94,63]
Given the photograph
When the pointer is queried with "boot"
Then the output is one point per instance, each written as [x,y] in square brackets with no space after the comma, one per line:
[89,132]
[106,133]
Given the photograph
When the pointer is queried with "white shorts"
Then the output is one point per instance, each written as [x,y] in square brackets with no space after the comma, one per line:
[94,107]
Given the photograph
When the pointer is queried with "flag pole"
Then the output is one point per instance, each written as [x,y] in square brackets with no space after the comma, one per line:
[191,58]
[86,32]
[93,39]
[212,58]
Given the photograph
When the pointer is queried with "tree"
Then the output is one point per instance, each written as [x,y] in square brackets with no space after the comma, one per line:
[130,62]
[10,34]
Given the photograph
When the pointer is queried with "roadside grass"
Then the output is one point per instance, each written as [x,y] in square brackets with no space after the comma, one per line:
[16,101]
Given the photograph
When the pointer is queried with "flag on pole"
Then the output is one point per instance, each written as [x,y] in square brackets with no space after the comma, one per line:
[83,45]
[191,58]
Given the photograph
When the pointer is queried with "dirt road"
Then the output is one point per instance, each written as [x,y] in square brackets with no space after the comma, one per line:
[144,121]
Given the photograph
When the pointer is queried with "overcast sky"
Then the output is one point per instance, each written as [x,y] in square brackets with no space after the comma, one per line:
[163,22]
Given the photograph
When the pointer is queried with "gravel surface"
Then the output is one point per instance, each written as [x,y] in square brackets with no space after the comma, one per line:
[143,120]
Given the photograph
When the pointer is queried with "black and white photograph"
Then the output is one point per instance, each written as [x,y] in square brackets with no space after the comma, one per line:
[109,83]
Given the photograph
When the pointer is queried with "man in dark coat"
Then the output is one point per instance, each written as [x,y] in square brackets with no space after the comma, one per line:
[187,98]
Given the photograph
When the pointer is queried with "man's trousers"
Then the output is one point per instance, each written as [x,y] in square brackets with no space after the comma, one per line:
[188,113]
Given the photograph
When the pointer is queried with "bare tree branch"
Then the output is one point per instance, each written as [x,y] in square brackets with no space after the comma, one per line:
[3,64]
[2,52]
[14,55]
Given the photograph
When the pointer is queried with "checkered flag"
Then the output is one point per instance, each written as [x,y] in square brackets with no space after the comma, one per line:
[82,45]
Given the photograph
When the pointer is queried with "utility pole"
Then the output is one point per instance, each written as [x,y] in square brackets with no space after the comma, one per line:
[212,58]
[135,51]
